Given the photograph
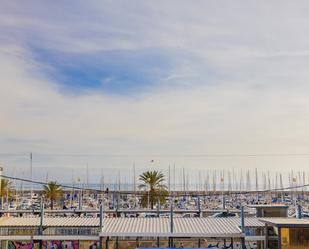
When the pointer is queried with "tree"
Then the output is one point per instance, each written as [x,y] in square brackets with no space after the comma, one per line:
[6,191]
[53,192]
[154,188]
[6,188]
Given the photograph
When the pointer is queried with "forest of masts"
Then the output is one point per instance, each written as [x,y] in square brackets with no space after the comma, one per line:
[184,179]
[214,180]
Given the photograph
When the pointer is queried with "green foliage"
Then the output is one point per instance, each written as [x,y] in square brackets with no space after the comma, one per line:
[53,191]
[6,188]
[154,188]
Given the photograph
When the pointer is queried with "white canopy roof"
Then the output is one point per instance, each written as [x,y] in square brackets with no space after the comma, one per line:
[183,227]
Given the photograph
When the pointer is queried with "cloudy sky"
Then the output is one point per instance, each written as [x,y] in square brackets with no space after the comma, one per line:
[110,83]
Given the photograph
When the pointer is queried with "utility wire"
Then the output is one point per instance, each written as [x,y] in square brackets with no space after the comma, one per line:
[102,191]
[163,155]
[46,183]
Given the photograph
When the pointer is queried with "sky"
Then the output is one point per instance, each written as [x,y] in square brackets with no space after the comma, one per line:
[110,84]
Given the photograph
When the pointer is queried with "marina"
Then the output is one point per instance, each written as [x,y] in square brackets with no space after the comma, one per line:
[82,218]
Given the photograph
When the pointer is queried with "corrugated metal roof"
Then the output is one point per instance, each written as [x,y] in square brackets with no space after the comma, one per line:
[183,227]
[125,223]
[205,226]
[190,227]
[249,222]
[288,222]
[133,226]
[49,222]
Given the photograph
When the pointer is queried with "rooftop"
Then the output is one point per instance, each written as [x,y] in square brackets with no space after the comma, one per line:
[49,222]
[183,227]
[268,206]
[286,222]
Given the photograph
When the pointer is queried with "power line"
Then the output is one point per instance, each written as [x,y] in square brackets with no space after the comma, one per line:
[162,155]
[98,190]
[46,183]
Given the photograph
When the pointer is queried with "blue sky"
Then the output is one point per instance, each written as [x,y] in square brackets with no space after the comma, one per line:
[153,78]
[113,72]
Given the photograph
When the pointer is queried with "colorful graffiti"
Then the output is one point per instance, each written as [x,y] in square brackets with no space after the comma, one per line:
[54,244]
[95,245]
[58,244]
[20,245]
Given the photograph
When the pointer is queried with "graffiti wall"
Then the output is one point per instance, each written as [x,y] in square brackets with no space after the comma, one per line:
[20,245]
[57,244]
[54,244]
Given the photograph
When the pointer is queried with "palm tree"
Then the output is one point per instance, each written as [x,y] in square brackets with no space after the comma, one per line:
[53,191]
[6,190]
[6,187]
[154,187]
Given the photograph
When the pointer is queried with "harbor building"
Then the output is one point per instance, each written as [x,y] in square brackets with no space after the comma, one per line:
[271,210]
[120,233]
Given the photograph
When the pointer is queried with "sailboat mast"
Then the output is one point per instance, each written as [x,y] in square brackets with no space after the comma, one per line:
[169,178]
[174,177]
[256,180]
[31,176]
[134,178]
